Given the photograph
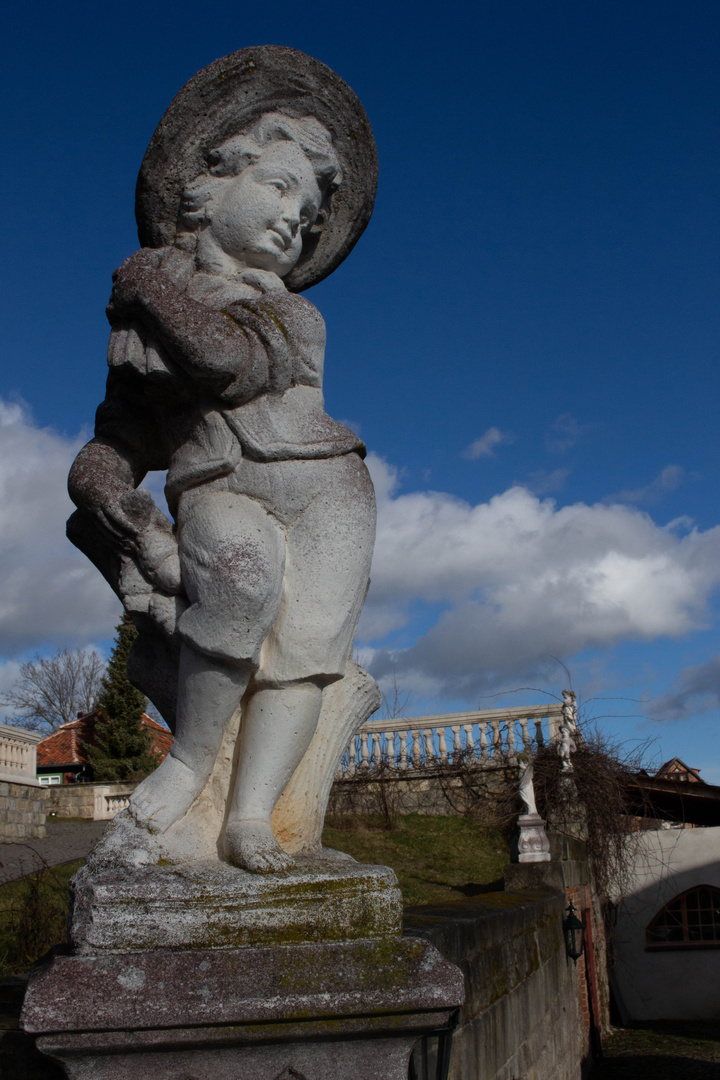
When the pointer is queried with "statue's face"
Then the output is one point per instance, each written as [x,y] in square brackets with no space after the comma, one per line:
[261,215]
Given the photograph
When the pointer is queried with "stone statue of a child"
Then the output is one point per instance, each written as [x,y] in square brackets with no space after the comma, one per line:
[216,375]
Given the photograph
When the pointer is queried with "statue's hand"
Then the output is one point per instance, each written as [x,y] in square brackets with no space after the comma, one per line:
[157,555]
[154,546]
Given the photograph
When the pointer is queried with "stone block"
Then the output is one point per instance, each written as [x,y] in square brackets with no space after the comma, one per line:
[212,904]
[348,1011]
[4,787]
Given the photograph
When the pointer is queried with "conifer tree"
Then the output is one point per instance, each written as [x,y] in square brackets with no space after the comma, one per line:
[122,749]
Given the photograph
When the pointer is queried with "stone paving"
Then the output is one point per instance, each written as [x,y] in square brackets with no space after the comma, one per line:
[65,841]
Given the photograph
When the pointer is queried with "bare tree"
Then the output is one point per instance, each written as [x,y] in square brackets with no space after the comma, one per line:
[51,691]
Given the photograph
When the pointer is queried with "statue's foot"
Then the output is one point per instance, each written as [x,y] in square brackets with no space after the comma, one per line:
[251,845]
[165,795]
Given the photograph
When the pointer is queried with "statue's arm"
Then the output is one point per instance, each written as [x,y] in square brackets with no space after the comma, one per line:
[233,354]
[103,483]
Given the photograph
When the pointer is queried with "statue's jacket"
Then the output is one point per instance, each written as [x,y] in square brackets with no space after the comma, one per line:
[200,424]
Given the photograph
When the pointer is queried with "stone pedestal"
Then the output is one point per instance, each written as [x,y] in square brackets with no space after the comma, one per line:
[331,1011]
[210,904]
[533,844]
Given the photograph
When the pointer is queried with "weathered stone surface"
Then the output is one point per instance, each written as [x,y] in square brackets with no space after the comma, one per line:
[316,1011]
[211,904]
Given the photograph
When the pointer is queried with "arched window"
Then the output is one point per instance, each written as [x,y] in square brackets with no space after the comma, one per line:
[690,921]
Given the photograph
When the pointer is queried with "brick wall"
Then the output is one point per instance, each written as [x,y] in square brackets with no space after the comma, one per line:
[22,811]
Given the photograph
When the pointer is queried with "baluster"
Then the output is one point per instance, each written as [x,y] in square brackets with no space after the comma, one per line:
[469,742]
[429,748]
[483,741]
[377,750]
[416,751]
[511,755]
[403,751]
[457,746]
[390,749]
[442,745]
[352,756]
[539,738]
[527,744]
[364,755]
[496,739]
[554,725]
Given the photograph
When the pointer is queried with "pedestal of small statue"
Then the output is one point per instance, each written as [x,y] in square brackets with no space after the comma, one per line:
[533,844]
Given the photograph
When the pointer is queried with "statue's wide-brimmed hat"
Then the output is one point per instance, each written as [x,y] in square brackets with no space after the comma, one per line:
[228,97]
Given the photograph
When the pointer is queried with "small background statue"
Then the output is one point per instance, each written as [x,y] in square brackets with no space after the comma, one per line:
[257,183]
[568,730]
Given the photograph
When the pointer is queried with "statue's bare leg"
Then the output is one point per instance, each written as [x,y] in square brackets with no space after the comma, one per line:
[276,730]
[209,694]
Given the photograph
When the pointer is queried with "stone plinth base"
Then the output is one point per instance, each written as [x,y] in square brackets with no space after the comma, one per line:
[338,1011]
[214,905]
[533,844]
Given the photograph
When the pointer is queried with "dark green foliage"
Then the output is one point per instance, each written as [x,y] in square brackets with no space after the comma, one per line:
[122,747]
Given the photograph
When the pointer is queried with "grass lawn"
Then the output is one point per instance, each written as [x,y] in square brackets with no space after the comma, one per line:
[436,859]
[663,1050]
[33,915]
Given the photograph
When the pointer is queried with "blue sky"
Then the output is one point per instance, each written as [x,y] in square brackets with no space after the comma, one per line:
[526,337]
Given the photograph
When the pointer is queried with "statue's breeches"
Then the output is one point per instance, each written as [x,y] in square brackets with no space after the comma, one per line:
[275,561]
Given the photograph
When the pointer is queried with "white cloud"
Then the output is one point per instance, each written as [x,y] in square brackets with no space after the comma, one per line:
[564,433]
[542,482]
[49,593]
[485,445]
[518,580]
[695,690]
[669,479]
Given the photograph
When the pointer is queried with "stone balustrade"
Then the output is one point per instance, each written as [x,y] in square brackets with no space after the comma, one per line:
[18,754]
[109,801]
[483,738]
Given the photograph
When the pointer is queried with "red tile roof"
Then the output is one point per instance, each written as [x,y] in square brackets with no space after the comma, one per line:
[66,746]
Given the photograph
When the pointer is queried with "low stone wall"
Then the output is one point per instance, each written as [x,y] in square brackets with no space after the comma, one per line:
[94,802]
[521,1016]
[442,791]
[22,811]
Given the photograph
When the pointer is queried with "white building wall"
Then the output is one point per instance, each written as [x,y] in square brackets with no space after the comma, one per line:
[679,984]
